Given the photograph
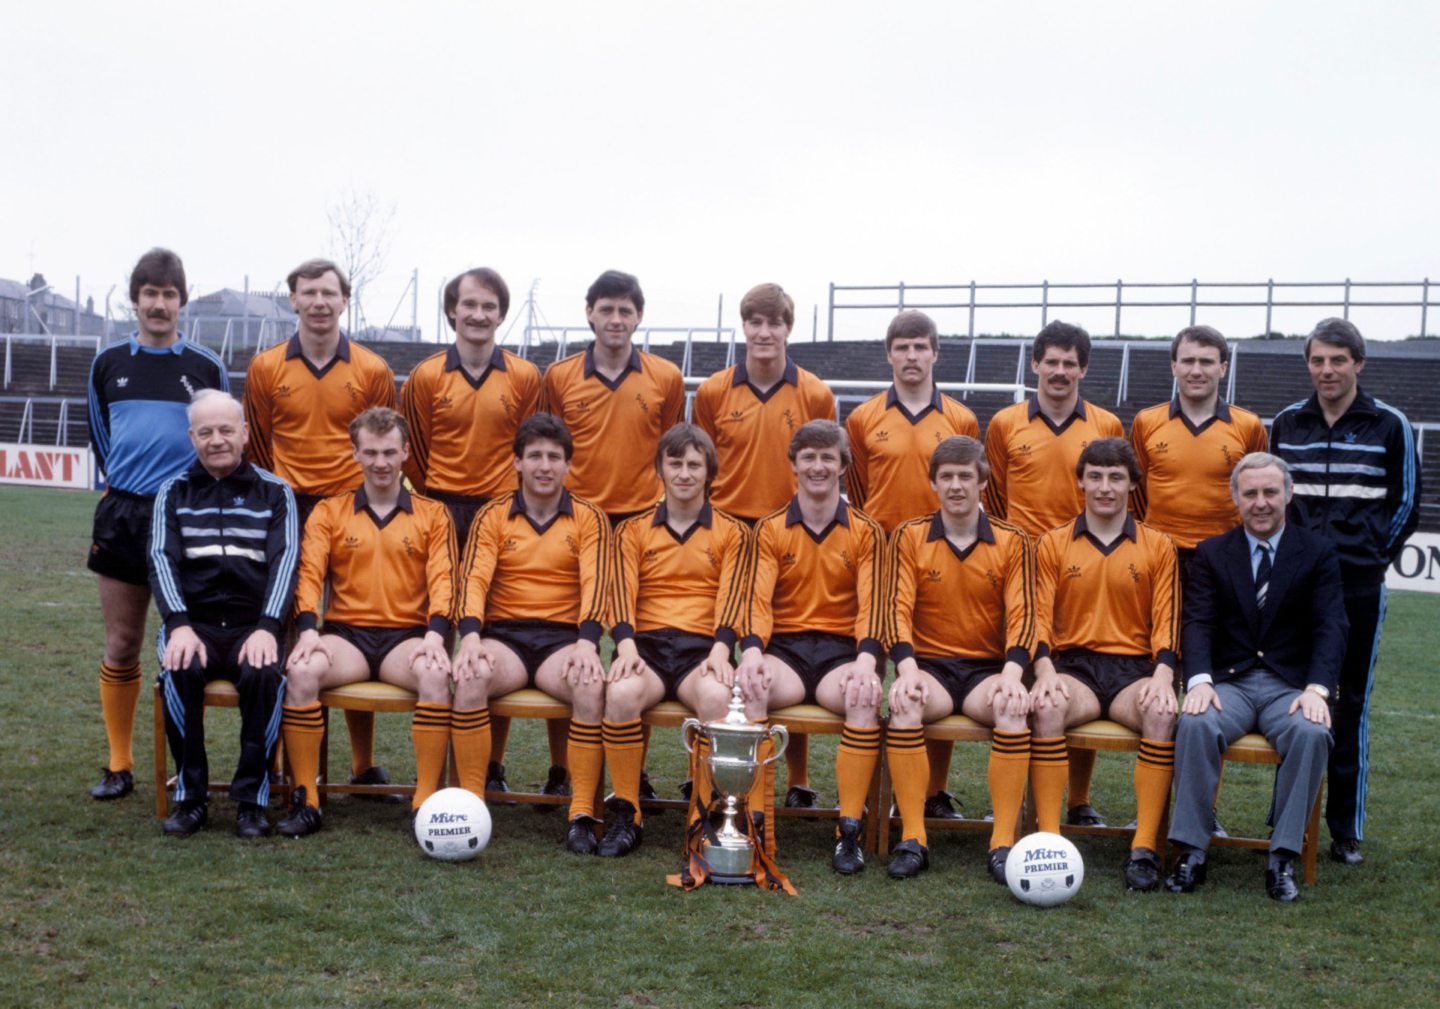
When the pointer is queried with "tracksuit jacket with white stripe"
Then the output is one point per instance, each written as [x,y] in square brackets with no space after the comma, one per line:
[224,552]
[1357,484]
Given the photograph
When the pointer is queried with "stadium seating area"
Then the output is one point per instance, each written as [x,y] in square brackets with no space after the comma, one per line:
[1269,376]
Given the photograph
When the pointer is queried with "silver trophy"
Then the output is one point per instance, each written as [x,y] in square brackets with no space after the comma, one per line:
[734,762]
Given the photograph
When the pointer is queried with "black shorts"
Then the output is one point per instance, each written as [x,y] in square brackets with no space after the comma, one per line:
[375,643]
[304,505]
[532,641]
[812,655]
[462,509]
[672,654]
[617,517]
[1105,675]
[120,538]
[959,675]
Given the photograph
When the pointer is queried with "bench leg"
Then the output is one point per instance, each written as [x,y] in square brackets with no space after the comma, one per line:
[1311,844]
[162,774]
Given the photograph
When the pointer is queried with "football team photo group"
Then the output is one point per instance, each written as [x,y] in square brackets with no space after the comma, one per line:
[595,532]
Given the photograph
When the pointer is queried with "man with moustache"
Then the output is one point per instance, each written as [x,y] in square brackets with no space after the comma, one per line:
[138,393]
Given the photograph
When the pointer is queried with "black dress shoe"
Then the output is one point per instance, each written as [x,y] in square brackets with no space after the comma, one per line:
[302,819]
[376,775]
[113,785]
[555,784]
[251,822]
[995,862]
[580,835]
[1084,815]
[1142,870]
[1280,882]
[801,797]
[1187,874]
[910,860]
[187,818]
[939,807]
[495,782]
[848,858]
[1346,852]
[623,835]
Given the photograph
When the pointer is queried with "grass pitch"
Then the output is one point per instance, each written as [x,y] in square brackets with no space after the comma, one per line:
[99,909]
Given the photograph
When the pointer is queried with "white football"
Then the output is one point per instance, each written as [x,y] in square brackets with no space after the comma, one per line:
[452,825]
[1044,869]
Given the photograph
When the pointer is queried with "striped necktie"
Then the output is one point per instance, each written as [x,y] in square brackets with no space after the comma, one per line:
[1262,576]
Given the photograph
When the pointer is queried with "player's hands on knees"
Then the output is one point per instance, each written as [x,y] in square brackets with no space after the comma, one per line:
[717,664]
[259,649]
[910,688]
[431,656]
[1200,697]
[1157,694]
[1009,696]
[307,646]
[754,675]
[626,663]
[861,683]
[1312,706]
[582,665]
[183,646]
[472,661]
[1050,690]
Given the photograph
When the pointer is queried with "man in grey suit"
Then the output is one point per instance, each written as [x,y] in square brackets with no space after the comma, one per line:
[1264,636]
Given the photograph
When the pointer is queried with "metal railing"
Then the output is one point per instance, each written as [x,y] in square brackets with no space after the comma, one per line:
[26,433]
[532,336]
[53,342]
[859,390]
[1347,294]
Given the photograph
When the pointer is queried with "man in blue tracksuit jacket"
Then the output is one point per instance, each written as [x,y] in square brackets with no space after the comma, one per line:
[1357,482]
[224,557]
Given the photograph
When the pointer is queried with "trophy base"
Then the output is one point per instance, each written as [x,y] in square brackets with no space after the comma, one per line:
[730,879]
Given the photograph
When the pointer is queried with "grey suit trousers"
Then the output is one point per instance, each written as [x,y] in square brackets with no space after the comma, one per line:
[1256,700]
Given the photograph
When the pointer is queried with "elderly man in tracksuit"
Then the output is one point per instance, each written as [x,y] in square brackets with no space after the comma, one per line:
[224,552]
[1357,483]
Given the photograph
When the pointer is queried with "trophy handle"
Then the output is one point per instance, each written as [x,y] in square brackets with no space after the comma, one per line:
[690,730]
[780,738]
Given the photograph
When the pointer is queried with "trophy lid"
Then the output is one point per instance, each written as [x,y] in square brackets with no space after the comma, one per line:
[735,722]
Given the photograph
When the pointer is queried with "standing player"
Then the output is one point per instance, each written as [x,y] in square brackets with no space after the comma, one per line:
[1357,483]
[817,621]
[680,603]
[390,558]
[892,436]
[964,605]
[464,406]
[1032,448]
[223,553]
[751,412]
[1188,447]
[532,606]
[300,397]
[1108,598]
[138,391]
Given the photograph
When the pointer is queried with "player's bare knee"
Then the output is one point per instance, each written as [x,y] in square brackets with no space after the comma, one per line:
[1049,722]
[862,713]
[1157,725]
[1005,722]
[432,686]
[623,699]
[587,702]
[470,693]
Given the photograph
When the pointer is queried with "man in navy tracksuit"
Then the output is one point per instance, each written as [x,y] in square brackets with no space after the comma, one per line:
[1357,482]
[224,553]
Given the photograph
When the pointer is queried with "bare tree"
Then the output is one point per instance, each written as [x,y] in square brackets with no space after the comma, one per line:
[359,234]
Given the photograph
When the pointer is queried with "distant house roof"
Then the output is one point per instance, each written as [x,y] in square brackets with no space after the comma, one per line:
[16,290]
[228,302]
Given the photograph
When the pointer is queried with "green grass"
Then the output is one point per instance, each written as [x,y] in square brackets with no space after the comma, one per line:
[99,909]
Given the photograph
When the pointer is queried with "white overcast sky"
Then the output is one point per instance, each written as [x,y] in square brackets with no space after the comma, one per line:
[706,147]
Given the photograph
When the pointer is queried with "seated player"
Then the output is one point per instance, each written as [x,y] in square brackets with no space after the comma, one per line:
[964,610]
[532,606]
[679,604]
[816,631]
[390,557]
[223,578]
[1108,599]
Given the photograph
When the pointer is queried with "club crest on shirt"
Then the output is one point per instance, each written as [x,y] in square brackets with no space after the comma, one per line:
[573,547]
[1134,573]
[352,392]
[789,416]
[644,406]
[846,560]
[993,579]
[712,557]
[189,387]
[508,405]
[1229,457]
[409,547]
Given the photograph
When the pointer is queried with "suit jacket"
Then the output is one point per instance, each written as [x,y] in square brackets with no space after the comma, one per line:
[1301,634]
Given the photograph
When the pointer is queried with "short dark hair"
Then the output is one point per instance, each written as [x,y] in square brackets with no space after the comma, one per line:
[821,434]
[912,324]
[615,284]
[543,427]
[1107,452]
[487,278]
[1338,333]
[768,301]
[158,268]
[1063,336]
[1206,336]
[683,436]
[379,420]
[314,269]
[960,450]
